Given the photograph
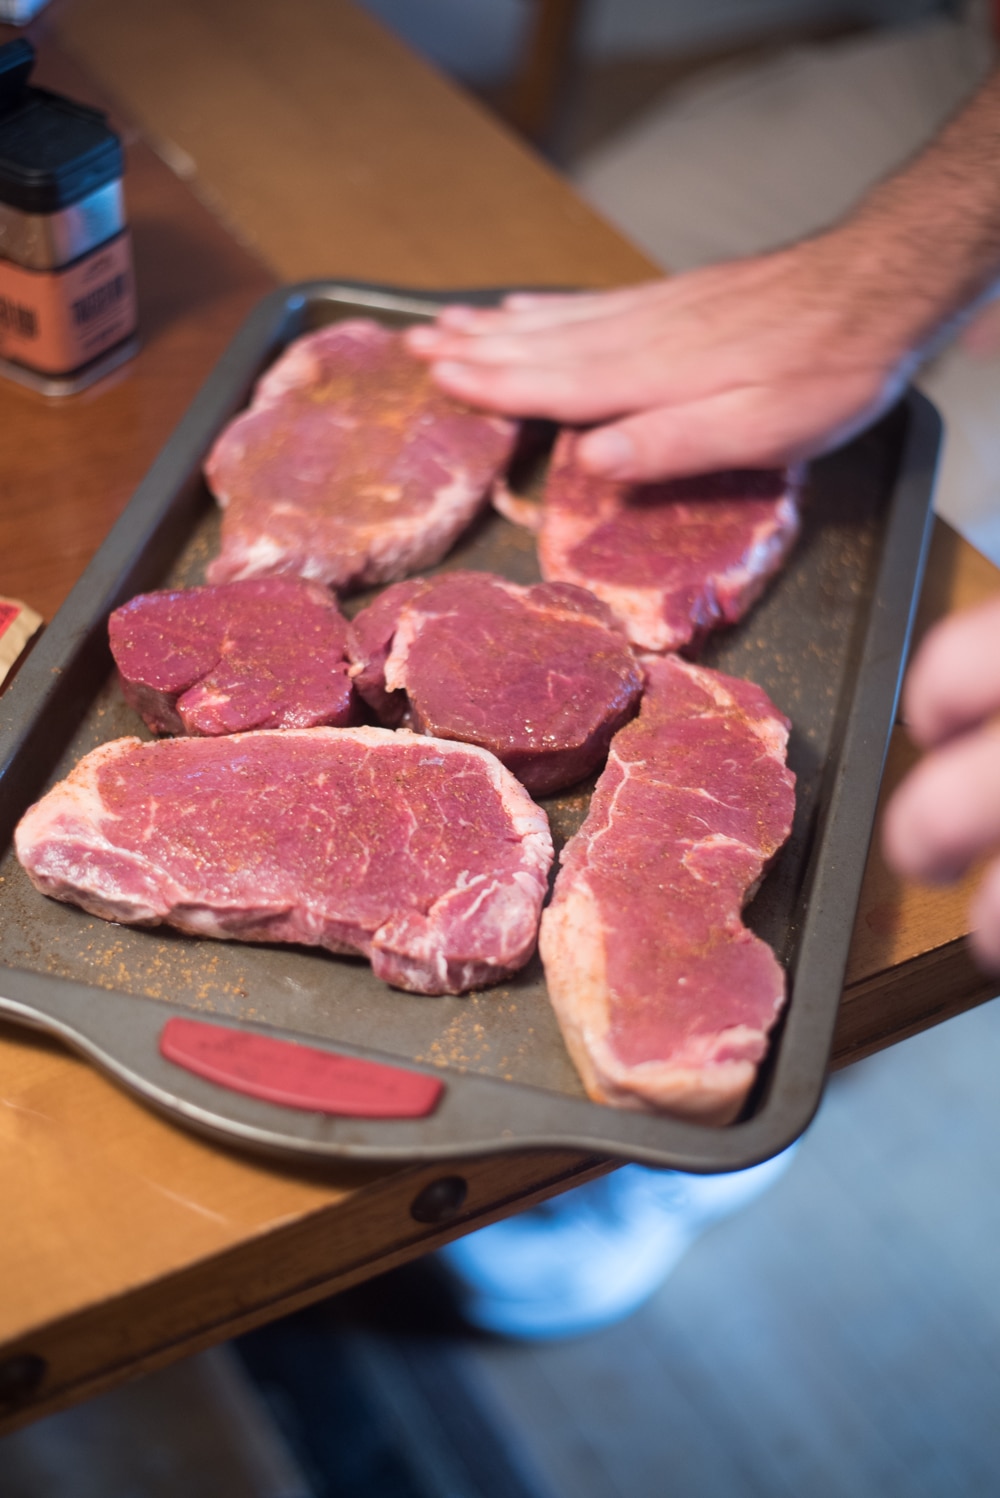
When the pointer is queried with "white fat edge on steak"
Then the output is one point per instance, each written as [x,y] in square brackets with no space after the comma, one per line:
[419,540]
[694,1086]
[769,544]
[300,365]
[73,810]
[638,610]
[379,553]
[517,508]
[772,730]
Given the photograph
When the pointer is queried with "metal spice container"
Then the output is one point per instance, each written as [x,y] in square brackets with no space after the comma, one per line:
[67,288]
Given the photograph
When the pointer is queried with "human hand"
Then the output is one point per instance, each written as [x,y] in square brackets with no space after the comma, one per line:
[946,813]
[754,363]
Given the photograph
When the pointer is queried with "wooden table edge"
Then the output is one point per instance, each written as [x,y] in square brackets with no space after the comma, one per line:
[89,1352]
[936,985]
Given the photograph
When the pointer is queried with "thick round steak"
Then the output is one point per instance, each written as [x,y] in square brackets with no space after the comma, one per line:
[540,676]
[267,652]
[664,997]
[350,467]
[427,857]
[671,560]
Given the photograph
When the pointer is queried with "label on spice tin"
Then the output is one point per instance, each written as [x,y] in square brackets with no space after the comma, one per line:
[17,625]
[56,321]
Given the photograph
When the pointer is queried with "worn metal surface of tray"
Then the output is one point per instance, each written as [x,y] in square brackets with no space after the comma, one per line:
[827,641]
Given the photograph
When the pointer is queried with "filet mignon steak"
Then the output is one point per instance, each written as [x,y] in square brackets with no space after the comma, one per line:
[349,467]
[427,857]
[664,997]
[671,560]
[540,676]
[267,652]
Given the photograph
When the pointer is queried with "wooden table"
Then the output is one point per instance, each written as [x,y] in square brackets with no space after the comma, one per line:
[273,143]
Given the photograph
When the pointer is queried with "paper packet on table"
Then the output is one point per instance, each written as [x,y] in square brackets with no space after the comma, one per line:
[17,625]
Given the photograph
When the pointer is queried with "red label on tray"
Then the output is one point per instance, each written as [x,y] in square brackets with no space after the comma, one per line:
[8,613]
[295,1075]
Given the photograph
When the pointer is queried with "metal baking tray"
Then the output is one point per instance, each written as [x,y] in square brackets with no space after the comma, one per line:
[827,641]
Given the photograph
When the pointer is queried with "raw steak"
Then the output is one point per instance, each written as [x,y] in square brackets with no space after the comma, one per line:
[664,997]
[671,560]
[268,652]
[425,856]
[541,676]
[350,466]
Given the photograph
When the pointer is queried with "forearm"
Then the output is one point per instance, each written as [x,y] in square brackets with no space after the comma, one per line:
[760,361]
[923,246]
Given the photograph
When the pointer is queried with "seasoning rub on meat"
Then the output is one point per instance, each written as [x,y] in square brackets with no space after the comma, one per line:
[671,560]
[427,857]
[266,652]
[350,467]
[540,676]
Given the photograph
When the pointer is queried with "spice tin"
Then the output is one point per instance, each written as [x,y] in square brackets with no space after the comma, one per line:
[67,289]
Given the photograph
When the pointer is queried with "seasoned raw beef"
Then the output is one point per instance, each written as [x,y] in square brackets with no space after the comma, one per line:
[541,676]
[268,652]
[664,997]
[350,467]
[425,856]
[671,560]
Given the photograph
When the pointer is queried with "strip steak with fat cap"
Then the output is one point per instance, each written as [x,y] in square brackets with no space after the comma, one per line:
[664,997]
[427,857]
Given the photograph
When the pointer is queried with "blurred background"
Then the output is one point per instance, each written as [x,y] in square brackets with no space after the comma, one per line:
[840,1337]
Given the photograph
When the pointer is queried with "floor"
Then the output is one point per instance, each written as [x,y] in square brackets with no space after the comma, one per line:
[198,1430]
[839,1338]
